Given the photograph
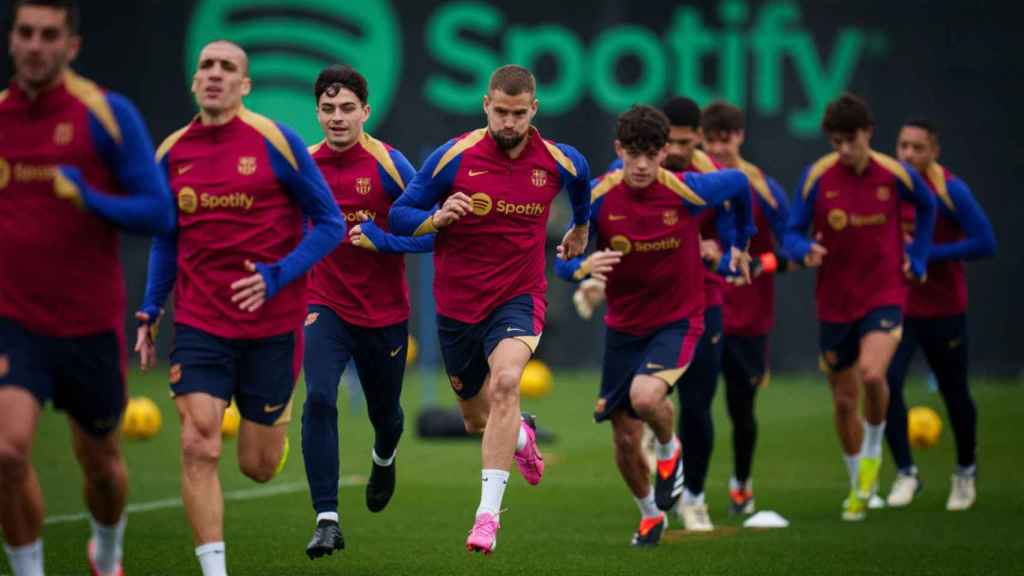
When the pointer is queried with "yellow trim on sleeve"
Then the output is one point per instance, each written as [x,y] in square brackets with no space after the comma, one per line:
[759,182]
[607,182]
[266,127]
[817,169]
[316,147]
[170,141]
[427,227]
[466,142]
[66,189]
[561,158]
[379,152]
[674,183]
[893,165]
[937,176]
[88,93]
[702,162]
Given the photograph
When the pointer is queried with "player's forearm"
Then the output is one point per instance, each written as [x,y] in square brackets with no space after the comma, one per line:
[968,249]
[161,273]
[924,228]
[572,270]
[389,243]
[405,219]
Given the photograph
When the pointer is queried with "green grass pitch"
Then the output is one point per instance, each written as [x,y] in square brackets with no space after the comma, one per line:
[580,518]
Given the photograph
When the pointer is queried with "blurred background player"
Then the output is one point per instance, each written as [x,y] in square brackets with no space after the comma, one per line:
[494,187]
[644,220]
[852,198]
[358,302]
[76,164]
[237,264]
[936,320]
[748,312]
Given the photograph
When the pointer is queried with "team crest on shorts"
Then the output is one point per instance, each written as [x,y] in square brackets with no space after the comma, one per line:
[599,407]
[831,358]
[363,186]
[5,365]
[247,165]
[311,318]
[175,374]
[64,133]
[883,193]
[670,217]
[539,178]
[456,383]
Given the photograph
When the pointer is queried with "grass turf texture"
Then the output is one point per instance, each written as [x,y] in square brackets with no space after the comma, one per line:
[579,520]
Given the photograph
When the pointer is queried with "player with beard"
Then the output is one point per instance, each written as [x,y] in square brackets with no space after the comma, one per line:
[494,187]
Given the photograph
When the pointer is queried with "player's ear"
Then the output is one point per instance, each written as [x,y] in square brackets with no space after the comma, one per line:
[246,86]
[74,45]
[366,113]
[618,149]
[742,136]
[487,104]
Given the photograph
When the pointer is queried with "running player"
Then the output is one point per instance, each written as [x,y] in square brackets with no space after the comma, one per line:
[853,199]
[237,264]
[494,187]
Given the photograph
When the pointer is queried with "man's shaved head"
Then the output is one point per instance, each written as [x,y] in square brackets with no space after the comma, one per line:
[225,47]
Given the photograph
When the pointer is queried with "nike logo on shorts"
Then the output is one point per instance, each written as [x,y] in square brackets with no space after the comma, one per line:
[268,408]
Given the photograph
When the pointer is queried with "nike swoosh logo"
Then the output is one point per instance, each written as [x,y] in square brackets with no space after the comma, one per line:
[184,169]
[716,338]
[655,366]
[477,172]
[514,329]
[615,217]
[268,408]
[395,351]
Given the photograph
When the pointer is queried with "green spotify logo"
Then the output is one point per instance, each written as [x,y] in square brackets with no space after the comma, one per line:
[290,41]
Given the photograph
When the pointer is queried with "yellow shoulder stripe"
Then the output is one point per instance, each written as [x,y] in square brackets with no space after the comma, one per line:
[758,181]
[937,176]
[467,141]
[702,162]
[170,141]
[3,95]
[893,165]
[379,152]
[316,147]
[88,93]
[676,185]
[607,182]
[266,127]
[817,169]
[561,158]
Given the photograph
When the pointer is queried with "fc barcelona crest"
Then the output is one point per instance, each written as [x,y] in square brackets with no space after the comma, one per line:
[247,165]
[539,178]
[64,133]
[884,194]
[670,217]
[363,186]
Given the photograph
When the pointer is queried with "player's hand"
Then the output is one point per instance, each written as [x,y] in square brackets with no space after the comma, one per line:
[908,271]
[358,237]
[250,292]
[710,252]
[145,336]
[739,267]
[815,256]
[455,207]
[588,296]
[575,241]
[601,264]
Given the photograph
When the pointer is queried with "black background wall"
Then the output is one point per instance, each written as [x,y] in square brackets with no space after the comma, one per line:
[956,62]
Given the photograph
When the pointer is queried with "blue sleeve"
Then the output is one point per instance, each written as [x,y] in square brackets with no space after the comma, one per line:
[578,185]
[574,269]
[389,243]
[715,189]
[980,241]
[411,213]
[405,171]
[147,209]
[162,270]
[615,165]
[794,242]
[924,220]
[778,216]
[309,189]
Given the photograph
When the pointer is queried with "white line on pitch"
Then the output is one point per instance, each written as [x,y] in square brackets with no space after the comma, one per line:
[234,495]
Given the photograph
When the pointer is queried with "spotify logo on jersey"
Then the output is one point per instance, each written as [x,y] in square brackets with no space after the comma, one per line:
[290,41]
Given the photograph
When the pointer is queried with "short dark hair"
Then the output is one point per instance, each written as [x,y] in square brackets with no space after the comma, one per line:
[70,8]
[720,116]
[338,76]
[642,129]
[682,111]
[925,124]
[847,114]
[512,80]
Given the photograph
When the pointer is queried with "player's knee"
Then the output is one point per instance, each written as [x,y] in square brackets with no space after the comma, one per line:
[321,400]
[871,374]
[474,423]
[259,467]
[504,385]
[14,461]
[200,445]
[626,442]
[845,406]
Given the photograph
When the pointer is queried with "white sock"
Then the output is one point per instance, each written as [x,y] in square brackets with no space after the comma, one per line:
[664,451]
[689,498]
[211,559]
[384,461]
[852,467]
[492,491]
[648,509]
[109,541]
[521,440]
[332,516]
[872,445]
[26,560]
